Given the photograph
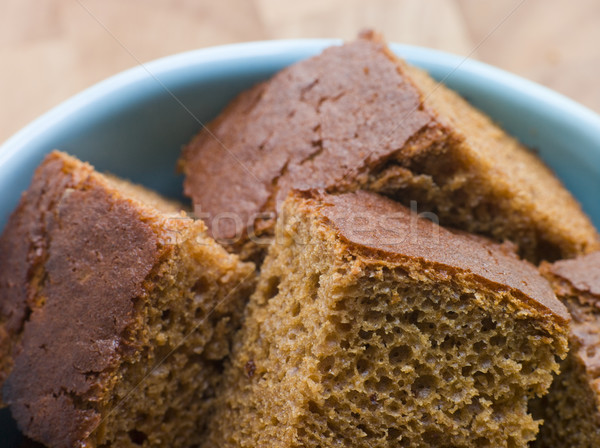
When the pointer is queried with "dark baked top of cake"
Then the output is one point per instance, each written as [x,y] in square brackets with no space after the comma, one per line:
[319,123]
[583,273]
[55,279]
[372,223]
[577,283]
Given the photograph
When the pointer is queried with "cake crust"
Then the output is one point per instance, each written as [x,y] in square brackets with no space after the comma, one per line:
[577,283]
[88,261]
[23,249]
[317,124]
[582,273]
[392,231]
[571,410]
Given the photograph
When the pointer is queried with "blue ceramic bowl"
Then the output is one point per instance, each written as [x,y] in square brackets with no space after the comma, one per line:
[134,124]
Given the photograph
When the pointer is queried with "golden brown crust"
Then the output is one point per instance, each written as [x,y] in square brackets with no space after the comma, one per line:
[370,222]
[23,249]
[583,273]
[87,261]
[324,122]
[577,283]
[572,408]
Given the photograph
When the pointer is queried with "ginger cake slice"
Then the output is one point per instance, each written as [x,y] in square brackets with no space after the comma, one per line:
[116,312]
[371,327]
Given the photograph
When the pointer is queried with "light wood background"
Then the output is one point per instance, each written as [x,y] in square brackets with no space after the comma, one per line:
[51,49]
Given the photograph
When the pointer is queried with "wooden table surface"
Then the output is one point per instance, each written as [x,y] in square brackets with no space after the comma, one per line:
[51,49]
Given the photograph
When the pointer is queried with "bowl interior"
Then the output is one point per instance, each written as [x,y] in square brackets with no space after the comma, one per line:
[135,123]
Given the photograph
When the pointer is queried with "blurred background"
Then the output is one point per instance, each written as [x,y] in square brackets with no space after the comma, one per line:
[52,49]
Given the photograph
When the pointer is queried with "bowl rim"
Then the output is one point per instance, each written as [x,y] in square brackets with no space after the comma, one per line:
[417,55]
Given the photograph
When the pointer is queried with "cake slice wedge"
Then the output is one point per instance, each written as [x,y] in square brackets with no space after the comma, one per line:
[116,312]
[571,411]
[372,327]
[358,117]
